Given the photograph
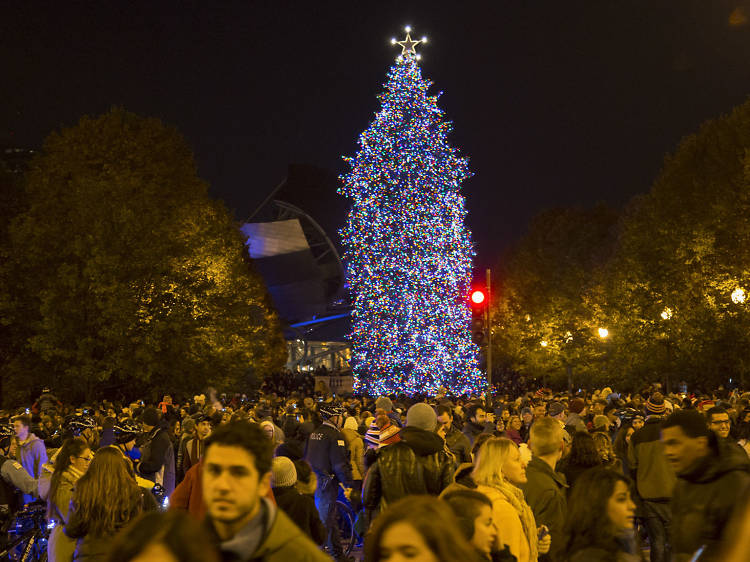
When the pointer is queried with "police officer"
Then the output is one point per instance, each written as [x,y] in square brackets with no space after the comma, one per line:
[326,452]
[13,477]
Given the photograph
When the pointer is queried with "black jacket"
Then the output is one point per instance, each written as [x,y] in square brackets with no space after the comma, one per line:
[471,430]
[459,445]
[654,477]
[545,491]
[326,452]
[418,464]
[157,459]
[703,501]
[302,511]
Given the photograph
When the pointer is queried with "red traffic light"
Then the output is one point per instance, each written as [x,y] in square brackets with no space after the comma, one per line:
[478,297]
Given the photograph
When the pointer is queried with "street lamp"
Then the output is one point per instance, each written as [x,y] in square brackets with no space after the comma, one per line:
[666,314]
[543,343]
[603,333]
[738,296]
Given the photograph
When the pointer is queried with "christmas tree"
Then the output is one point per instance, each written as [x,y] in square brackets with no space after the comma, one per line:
[407,250]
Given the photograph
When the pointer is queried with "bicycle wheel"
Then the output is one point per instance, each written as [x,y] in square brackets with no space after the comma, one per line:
[345,517]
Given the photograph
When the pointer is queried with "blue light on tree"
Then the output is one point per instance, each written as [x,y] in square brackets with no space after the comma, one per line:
[407,250]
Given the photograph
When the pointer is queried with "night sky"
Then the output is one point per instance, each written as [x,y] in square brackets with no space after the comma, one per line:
[556,103]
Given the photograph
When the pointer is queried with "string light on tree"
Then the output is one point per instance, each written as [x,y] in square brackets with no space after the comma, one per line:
[407,249]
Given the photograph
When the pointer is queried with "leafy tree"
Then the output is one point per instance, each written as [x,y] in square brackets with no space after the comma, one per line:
[545,320]
[126,272]
[685,246]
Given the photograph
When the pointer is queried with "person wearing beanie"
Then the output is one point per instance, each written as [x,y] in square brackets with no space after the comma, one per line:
[655,405]
[356,447]
[654,478]
[417,464]
[574,421]
[384,406]
[383,430]
[157,461]
[300,508]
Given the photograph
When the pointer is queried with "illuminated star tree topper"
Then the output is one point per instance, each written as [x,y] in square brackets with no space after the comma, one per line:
[407,249]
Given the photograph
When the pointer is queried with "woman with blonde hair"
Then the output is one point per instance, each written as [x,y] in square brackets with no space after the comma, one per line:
[498,471]
[104,501]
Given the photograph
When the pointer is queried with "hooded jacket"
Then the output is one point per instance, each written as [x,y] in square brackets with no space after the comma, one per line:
[703,502]
[32,454]
[418,464]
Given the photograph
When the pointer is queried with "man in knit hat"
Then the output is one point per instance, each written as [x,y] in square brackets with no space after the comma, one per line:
[655,479]
[418,464]
[300,508]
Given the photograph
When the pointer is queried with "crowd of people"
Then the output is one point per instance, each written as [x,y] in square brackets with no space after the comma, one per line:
[543,476]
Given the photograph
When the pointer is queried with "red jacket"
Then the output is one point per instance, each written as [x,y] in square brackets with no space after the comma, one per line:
[188,495]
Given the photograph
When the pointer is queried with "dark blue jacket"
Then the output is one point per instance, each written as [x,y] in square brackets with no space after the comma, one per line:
[326,452]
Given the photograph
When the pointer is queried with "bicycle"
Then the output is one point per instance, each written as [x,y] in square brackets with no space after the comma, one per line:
[345,518]
[28,534]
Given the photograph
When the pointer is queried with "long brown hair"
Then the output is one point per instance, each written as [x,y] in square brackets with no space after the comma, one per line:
[70,448]
[107,497]
[587,523]
[430,517]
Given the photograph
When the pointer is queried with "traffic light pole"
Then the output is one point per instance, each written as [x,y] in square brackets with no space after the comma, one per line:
[488,329]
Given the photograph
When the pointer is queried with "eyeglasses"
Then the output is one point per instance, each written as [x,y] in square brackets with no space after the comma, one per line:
[87,459]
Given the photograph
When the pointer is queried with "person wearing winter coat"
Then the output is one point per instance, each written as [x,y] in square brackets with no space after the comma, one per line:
[188,495]
[356,447]
[418,464]
[545,489]
[157,453]
[457,442]
[583,456]
[104,501]
[654,477]
[711,476]
[71,463]
[28,450]
[498,472]
[300,508]
[576,412]
[476,423]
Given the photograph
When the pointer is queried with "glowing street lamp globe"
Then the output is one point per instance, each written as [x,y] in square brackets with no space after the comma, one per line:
[603,333]
[666,314]
[738,296]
